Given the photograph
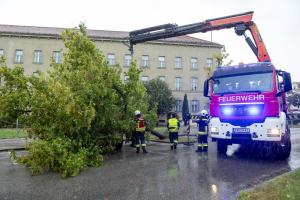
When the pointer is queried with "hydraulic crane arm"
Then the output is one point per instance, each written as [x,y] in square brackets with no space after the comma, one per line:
[240,22]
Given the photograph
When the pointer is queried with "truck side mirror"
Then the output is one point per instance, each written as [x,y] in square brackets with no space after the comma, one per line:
[287,81]
[206,88]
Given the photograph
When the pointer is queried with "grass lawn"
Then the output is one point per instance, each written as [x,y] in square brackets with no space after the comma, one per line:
[284,187]
[12,133]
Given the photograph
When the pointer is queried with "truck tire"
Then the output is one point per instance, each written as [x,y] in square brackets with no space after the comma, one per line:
[222,146]
[284,148]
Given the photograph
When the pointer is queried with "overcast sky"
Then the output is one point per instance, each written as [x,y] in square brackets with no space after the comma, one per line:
[277,20]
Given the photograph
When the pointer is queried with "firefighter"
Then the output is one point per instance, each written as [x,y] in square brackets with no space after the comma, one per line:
[202,123]
[173,126]
[140,132]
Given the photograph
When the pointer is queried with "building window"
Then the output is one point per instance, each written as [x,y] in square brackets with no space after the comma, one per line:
[57,57]
[161,62]
[178,105]
[19,56]
[209,62]
[127,60]
[111,59]
[194,63]
[194,84]
[145,61]
[37,56]
[178,83]
[145,79]
[178,62]
[195,106]
[162,78]
[1,52]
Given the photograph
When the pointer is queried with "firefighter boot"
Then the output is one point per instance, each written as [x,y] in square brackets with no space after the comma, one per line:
[144,150]
[205,147]
[199,148]
[137,149]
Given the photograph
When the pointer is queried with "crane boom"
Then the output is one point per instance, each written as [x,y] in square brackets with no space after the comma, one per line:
[240,22]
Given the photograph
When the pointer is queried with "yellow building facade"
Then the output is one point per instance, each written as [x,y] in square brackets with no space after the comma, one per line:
[181,61]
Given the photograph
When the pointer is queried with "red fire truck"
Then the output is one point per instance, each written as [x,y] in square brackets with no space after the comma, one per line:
[247,102]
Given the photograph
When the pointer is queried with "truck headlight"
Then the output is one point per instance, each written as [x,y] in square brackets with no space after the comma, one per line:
[214,130]
[274,132]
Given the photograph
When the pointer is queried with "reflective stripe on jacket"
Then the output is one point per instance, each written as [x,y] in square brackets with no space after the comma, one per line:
[173,125]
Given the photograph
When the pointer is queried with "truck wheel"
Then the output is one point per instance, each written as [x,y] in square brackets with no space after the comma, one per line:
[284,148]
[222,146]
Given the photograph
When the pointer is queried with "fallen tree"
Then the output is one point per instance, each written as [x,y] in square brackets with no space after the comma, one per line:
[79,111]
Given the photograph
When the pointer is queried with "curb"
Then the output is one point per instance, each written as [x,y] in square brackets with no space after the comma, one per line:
[13,149]
[10,144]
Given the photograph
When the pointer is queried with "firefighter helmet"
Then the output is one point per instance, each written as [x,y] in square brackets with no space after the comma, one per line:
[137,112]
[204,112]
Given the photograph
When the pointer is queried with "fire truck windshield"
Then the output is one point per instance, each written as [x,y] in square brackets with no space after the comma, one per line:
[243,83]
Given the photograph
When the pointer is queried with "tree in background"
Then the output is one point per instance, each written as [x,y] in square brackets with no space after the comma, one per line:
[160,96]
[14,95]
[221,58]
[79,111]
[185,110]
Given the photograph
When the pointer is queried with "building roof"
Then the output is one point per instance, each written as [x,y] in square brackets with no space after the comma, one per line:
[53,32]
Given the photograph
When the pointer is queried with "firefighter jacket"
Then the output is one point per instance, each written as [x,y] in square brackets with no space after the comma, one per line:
[173,125]
[140,125]
[202,125]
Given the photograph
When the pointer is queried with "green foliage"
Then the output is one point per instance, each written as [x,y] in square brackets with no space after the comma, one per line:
[2,61]
[160,96]
[61,155]
[79,111]
[14,94]
[222,57]
[185,108]
[294,99]
[13,155]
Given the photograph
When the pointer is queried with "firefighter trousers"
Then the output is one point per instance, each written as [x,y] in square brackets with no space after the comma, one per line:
[173,136]
[140,139]
[202,142]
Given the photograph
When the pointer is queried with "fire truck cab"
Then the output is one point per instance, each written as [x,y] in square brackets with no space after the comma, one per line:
[247,106]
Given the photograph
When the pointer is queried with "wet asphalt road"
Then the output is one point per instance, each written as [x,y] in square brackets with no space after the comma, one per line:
[161,174]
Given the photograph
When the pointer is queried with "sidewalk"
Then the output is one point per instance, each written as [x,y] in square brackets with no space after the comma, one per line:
[11,144]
